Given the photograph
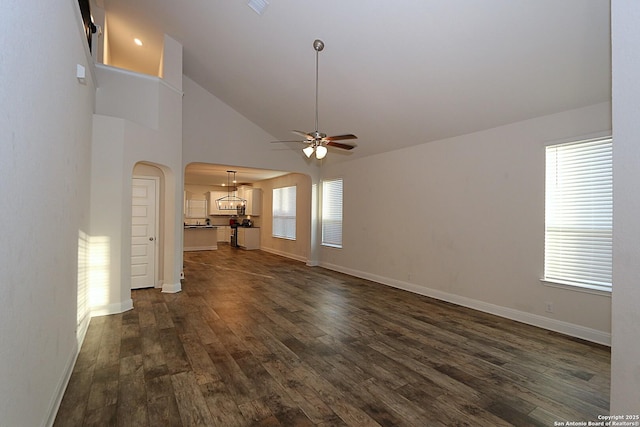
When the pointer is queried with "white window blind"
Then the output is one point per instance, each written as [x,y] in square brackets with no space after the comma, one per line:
[284,212]
[332,213]
[578,214]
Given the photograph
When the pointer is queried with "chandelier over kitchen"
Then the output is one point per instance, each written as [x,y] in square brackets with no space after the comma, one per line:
[231,202]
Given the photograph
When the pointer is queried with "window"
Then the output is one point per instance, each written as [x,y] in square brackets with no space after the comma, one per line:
[332,213]
[578,214]
[284,213]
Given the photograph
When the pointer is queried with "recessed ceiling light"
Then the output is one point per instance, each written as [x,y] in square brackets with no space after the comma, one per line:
[137,41]
[258,5]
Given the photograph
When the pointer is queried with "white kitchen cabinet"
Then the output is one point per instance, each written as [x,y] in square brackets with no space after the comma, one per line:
[249,238]
[212,196]
[224,233]
[253,196]
[256,202]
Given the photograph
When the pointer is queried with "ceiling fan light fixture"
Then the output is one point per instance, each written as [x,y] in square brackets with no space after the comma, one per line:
[318,141]
[321,151]
[308,150]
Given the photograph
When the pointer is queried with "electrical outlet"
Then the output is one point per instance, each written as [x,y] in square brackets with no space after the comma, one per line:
[548,307]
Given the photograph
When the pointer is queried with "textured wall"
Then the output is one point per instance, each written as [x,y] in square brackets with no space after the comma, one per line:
[45,140]
[463,219]
[625,360]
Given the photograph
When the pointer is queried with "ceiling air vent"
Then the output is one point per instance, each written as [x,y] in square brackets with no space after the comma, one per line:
[258,5]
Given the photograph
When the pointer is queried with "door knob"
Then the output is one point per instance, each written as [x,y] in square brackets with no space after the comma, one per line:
[151,239]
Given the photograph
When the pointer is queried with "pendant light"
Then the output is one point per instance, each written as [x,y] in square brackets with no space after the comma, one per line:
[231,202]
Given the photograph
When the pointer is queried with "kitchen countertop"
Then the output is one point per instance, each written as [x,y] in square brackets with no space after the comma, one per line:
[201,226]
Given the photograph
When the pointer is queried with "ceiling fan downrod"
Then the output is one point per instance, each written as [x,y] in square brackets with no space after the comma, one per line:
[318,45]
[317,141]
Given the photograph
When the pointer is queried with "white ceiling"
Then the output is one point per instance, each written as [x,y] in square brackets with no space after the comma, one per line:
[394,73]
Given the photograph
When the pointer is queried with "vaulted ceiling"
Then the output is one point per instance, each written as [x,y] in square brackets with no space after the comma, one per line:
[395,73]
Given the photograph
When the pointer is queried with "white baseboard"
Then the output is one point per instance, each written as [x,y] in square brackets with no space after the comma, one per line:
[62,385]
[562,327]
[171,288]
[284,254]
[201,248]
[81,332]
[115,308]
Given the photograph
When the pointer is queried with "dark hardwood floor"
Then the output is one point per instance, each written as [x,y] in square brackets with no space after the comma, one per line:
[259,340]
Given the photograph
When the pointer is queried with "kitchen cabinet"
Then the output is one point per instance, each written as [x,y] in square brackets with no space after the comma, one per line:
[224,233]
[212,196]
[249,238]
[253,196]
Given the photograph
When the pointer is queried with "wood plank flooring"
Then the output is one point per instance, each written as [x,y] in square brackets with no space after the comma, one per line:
[255,339]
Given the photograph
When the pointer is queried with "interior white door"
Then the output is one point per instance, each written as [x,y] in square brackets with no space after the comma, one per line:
[143,233]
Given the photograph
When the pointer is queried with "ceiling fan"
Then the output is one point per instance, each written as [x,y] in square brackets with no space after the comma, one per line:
[317,141]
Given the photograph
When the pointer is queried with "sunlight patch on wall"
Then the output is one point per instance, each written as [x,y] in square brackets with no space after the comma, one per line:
[83,278]
[99,265]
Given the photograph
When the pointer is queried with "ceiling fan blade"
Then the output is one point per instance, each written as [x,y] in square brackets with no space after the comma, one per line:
[293,140]
[340,145]
[339,137]
[303,134]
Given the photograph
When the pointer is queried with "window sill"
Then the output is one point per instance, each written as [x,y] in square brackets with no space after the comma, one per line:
[587,289]
[284,238]
[329,245]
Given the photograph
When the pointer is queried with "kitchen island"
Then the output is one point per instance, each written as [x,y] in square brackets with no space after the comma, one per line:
[200,238]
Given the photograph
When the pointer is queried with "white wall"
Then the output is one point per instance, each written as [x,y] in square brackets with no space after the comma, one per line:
[108,182]
[129,95]
[463,220]
[121,139]
[138,119]
[215,133]
[45,137]
[625,357]
[297,249]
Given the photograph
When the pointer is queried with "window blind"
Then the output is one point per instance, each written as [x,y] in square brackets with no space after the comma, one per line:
[332,213]
[579,214]
[284,212]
